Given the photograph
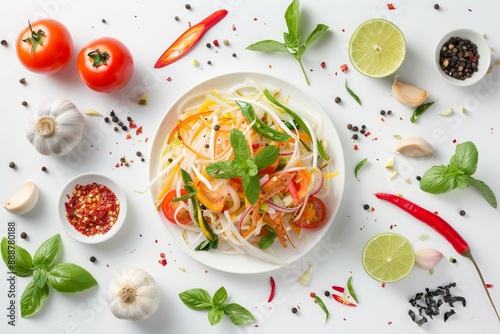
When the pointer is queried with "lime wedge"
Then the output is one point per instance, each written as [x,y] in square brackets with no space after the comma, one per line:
[377,48]
[388,257]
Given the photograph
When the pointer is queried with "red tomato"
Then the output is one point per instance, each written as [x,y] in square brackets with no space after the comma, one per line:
[168,207]
[44,46]
[105,65]
[314,214]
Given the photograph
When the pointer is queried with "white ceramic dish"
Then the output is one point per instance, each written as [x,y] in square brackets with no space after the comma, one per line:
[483,51]
[243,264]
[85,179]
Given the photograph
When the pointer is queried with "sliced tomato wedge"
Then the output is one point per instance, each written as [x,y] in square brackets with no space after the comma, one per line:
[314,214]
[212,199]
[168,208]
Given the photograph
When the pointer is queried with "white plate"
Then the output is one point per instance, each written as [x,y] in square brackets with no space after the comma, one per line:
[85,179]
[243,264]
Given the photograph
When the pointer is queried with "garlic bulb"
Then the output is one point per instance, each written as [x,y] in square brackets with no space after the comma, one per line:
[133,295]
[414,147]
[428,258]
[407,94]
[24,200]
[56,127]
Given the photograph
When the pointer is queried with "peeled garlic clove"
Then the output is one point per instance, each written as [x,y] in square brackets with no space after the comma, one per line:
[408,94]
[143,99]
[428,258]
[414,147]
[24,200]
[92,112]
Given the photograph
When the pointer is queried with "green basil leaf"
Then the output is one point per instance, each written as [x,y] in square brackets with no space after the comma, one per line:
[466,158]
[239,142]
[222,170]
[266,156]
[238,314]
[70,278]
[484,190]
[268,46]
[292,18]
[359,165]
[40,277]
[47,253]
[354,96]
[33,298]
[419,111]
[220,297]
[461,181]
[251,187]
[17,259]
[437,180]
[318,32]
[215,316]
[196,299]
[267,239]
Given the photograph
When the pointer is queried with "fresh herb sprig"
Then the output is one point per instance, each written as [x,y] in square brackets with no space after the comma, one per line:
[62,277]
[199,299]
[419,111]
[351,92]
[358,166]
[292,44]
[457,174]
[243,165]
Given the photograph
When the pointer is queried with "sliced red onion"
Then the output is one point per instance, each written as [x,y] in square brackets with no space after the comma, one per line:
[281,208]
[244,215]
[318,184]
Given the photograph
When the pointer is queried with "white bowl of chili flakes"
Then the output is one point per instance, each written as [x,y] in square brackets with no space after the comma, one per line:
[92,208]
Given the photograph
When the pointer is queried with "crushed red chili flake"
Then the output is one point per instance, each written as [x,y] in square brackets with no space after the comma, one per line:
[390,6]
[233,27]
[132,125]
[344,67]
[323,64]
[139,131]
[92,209]
[169,79]
[215,42]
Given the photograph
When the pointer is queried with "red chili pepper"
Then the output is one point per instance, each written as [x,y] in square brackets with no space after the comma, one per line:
[189,39]
[273,289]
[443,228]
[292,190]
[338,288]
[342,300]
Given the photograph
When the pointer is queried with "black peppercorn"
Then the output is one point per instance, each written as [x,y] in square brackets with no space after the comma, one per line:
[216,127]
[176,18]
[418,178]
[209,62]
[115,119]
[22,81]
[436,6]
[129,118]
[112,113]
[138,153]
[366,206]
[12,164]
[187,6]
[44,169]
[462,212]
[120,123]
[3,42]
[355,128]
[124,128]
[349,126]
[389,112]
[92,259]
[170,160]
[294,310]
[382,112]
[234,55]
[24,103]
[115,128]
[355,136]
[208,45]
[106,119]
[23,235]
[142,159]
[327,293]
[103,20]
[338,100]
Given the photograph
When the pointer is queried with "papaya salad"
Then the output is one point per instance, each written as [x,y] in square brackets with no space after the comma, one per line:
[243,172]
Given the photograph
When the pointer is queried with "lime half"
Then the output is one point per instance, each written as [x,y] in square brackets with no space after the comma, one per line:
[388,257]
[377,48]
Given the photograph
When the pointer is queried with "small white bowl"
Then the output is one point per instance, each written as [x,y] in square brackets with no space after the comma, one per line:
[483,50]
[66,194]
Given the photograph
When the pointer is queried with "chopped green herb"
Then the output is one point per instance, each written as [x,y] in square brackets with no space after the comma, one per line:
[359,166]
[350,288]
[422,236]
[420,110]
[398,137]
[354,96]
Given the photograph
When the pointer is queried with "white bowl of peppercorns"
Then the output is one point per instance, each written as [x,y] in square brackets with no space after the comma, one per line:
[463,57]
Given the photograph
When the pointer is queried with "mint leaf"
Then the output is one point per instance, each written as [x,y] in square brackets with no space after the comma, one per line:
[47,253]
[17,259]
[220,297]
[268,46]
[70,278]
[239,145]
[250,168]
[33,298]
[238,314]
[437,180]
[267,239]
[251,186]
[222,170]
[215,316]
[466,158]
[484,190]
[196,299]
[266,156]
[317,33]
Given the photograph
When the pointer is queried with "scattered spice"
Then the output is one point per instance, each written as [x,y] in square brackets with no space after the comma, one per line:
[436,6]
[3,42]
[106,119]
[225,42]
[323,64]
[138,153]
[12,164]
[24,103]
[208,45]
[344,67]
[209,62]
[92,209]
[23,235]
[390,6]
[92,259]
[338,100]
[294,310]
[462,212]
[366,206]
[22,81]
[327,293]
[459,58]
[103,21]
[215,42]
[187,6]
[114,119]
[234,55]
[44,169]
[176,18]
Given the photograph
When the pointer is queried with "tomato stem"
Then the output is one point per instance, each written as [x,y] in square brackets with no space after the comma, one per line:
[36,38]
[98,58]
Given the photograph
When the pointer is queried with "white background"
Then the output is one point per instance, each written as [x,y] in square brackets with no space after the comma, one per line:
[148,28]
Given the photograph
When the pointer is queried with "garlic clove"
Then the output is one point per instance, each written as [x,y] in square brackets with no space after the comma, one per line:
[446,112]
[143,99]
[428,258]
[24,200]
[390,163]
[92,112]
[414,147]
[408,94]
